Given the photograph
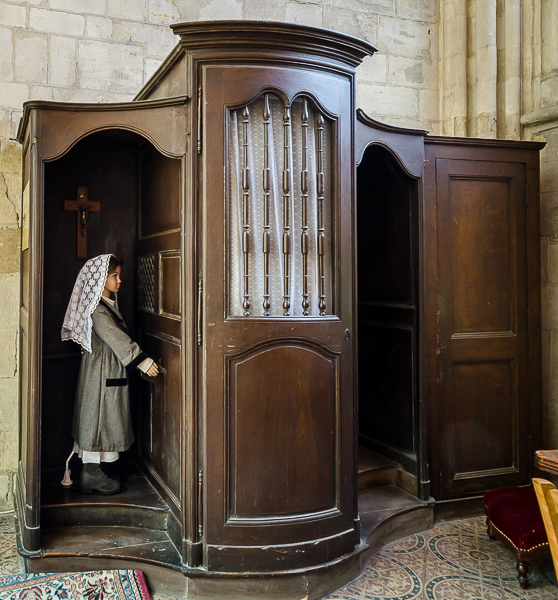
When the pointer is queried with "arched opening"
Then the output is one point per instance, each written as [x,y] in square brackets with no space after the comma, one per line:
[388,311]
[139,221]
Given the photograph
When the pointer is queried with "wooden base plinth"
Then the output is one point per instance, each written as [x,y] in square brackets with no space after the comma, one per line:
[386,513]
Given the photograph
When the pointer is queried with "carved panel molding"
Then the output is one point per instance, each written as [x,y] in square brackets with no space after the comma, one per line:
[304,404]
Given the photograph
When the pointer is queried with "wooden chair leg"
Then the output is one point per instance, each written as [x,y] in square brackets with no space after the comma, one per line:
[489,529]
[523,574]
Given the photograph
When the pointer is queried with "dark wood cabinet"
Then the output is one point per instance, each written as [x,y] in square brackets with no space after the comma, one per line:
[297,305]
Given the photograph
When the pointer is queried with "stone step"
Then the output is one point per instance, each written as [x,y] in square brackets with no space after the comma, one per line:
[125,543]
[136,505]
[388,513]
[376,470]
[103,548]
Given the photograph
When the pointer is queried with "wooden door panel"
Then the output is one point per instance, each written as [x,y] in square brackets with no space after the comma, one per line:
[160,298]
[278,382]
[483,324]
[161,415]
[283,428]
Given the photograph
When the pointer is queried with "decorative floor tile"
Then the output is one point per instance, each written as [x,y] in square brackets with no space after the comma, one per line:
[10,561]
[460,562]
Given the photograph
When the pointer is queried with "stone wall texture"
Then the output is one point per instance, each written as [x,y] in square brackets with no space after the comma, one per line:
[456,67]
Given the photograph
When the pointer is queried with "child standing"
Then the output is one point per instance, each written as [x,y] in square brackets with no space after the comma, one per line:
[102,426]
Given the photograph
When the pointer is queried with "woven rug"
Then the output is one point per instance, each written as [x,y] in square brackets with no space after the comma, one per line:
[91,585]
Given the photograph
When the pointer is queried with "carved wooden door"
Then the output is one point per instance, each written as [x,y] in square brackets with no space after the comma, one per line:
[488,274]
[277,351]
[160,319]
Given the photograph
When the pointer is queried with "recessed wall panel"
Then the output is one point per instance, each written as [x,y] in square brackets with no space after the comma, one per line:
[160,189]
[483,279]
[283,430]
[485,416]
[170,284]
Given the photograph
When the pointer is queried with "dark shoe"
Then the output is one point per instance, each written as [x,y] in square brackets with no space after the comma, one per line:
[92,479]
[111,472]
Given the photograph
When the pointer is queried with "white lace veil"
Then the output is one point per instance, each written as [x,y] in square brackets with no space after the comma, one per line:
[86,296]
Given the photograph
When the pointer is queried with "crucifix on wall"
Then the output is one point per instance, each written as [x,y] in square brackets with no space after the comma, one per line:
[82,205]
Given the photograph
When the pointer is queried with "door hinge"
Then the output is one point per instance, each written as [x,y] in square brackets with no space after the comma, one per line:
[200,505]
[528,320]
[200,310]
[200,99]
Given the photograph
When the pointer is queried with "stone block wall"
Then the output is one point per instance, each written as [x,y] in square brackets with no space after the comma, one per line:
[105,50]
[548,132]
[10,219]
[540,122]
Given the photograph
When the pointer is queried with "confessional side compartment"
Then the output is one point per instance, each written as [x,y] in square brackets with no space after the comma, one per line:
[56,129]
[485,366]
[277,384]
[389,234]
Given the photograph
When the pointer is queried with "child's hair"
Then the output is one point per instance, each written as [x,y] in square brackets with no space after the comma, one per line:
[113,263]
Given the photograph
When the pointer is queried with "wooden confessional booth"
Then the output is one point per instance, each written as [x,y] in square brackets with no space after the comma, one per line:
[228,186]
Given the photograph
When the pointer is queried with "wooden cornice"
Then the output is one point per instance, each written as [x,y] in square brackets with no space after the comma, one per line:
[271,36]
[466,141]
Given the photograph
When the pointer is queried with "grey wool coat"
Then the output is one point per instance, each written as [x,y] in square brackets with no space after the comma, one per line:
[102,421]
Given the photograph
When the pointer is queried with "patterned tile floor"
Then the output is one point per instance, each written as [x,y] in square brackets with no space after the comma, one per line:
[453,561]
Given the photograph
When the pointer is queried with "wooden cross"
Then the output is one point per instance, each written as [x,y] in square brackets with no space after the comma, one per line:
[82,205]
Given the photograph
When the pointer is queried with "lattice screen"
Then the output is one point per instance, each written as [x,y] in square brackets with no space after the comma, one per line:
[147,282]
[279,212]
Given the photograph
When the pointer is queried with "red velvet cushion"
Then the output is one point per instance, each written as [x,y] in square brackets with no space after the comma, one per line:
[515,512]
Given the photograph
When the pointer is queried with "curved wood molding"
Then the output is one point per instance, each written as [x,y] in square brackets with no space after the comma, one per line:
[68,123]
[405,145]
[273,37]
[93,107]
[364,118]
